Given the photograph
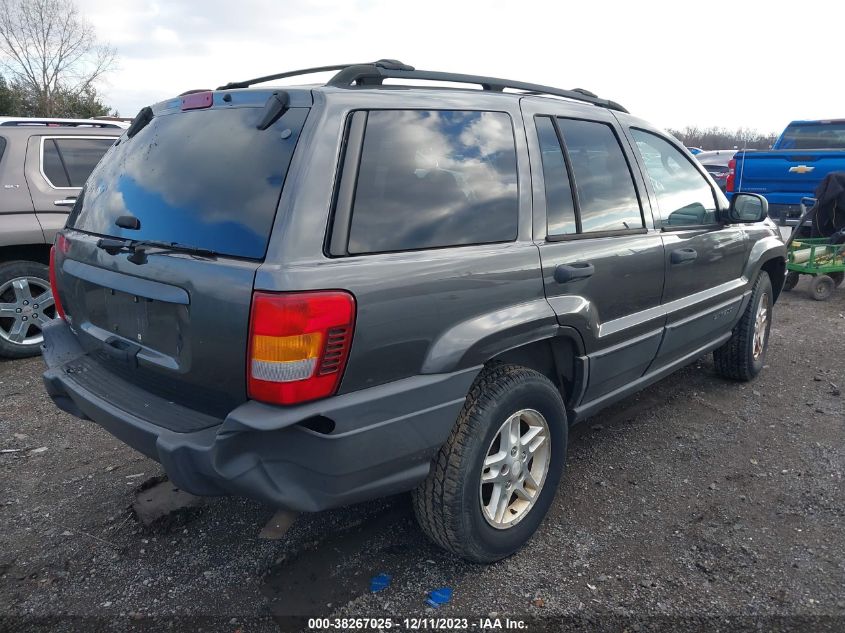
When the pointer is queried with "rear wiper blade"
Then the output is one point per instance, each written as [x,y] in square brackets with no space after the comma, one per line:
[113,246]
[139,248]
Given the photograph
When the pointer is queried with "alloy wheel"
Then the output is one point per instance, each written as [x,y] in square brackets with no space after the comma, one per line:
[26,305]
[515,468]
[760,322]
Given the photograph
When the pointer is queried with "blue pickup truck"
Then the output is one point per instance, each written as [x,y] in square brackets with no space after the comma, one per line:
[799,160]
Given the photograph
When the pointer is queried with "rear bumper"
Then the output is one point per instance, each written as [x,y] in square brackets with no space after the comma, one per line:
[382,442]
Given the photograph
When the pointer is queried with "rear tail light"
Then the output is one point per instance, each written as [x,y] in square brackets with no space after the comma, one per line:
[298,345]
[731,181]
[64,246]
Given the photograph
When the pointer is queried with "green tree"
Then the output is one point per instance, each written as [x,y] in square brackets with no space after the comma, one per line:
[84,105]
[8,101]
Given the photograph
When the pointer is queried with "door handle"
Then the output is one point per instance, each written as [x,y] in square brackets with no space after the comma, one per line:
[568,272]
[67,202]
[683,255]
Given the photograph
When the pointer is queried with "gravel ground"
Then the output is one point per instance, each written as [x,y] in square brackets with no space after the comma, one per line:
[698,504]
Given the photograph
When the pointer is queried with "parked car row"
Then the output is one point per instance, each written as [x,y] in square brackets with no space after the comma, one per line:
[716,163]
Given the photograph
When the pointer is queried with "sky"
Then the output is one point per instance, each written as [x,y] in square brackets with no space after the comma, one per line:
[740,63]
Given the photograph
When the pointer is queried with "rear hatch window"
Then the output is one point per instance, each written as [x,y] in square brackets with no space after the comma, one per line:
[203,178]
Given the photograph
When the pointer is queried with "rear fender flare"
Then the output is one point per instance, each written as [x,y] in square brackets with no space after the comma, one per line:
[483,337]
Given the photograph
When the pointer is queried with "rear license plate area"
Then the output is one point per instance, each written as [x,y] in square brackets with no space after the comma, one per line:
[150,323]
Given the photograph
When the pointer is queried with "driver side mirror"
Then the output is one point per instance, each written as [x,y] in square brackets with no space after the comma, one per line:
[747,207]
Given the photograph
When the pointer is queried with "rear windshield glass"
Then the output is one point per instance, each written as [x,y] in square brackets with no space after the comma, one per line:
[813,136]
[205,178]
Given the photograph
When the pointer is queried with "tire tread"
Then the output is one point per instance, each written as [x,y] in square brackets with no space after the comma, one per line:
[733,359]
[437,501]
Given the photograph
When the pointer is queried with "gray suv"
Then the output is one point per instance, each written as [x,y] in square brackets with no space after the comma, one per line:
[315,296]
[43,165]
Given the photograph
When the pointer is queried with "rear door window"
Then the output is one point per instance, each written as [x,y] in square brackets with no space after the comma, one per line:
[67,162]
[607,198]
[560,207]
[434,178]
[204,178]
[52,167]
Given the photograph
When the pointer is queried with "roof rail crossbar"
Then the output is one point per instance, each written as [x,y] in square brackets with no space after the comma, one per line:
[376,73]
[232,85]
[388,64]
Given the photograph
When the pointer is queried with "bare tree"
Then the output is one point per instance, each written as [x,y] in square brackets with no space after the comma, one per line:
[722,138]
[47,47]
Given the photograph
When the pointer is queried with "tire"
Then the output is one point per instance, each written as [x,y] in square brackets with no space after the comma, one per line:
[743,355]
[448,503]
[838,278]
[791,281]
[822,287]
[21,282]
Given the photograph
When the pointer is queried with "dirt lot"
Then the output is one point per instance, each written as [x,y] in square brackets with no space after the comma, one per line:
[697,505]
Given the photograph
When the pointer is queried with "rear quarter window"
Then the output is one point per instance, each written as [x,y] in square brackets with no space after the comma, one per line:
[434,178]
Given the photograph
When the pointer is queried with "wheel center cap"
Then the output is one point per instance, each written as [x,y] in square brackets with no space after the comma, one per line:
[26,310]
[517,468]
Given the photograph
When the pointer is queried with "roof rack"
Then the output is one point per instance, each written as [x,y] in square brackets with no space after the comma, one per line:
[232,85]
[25,122]
[374,74]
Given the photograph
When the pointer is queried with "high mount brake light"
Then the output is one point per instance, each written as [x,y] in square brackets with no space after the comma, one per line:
[298,345]
[197,100]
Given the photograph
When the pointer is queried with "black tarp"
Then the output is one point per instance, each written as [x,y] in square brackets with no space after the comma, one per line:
[830,205]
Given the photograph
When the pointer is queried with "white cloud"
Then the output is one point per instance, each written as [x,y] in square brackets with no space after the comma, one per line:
[755,64]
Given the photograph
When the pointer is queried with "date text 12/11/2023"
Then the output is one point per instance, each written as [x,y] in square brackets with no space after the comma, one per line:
[417,624]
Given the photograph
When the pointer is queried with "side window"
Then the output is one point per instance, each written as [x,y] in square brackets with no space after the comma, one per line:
[560,208]
[2,147]
[69,161]
[52,165]
[607,199]
[81,155]
[684,196]
[433,178]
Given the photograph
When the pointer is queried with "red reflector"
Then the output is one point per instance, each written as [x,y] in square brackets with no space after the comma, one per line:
[53,287]
[63,244]
[197,100]
[730,183]
[298,345]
